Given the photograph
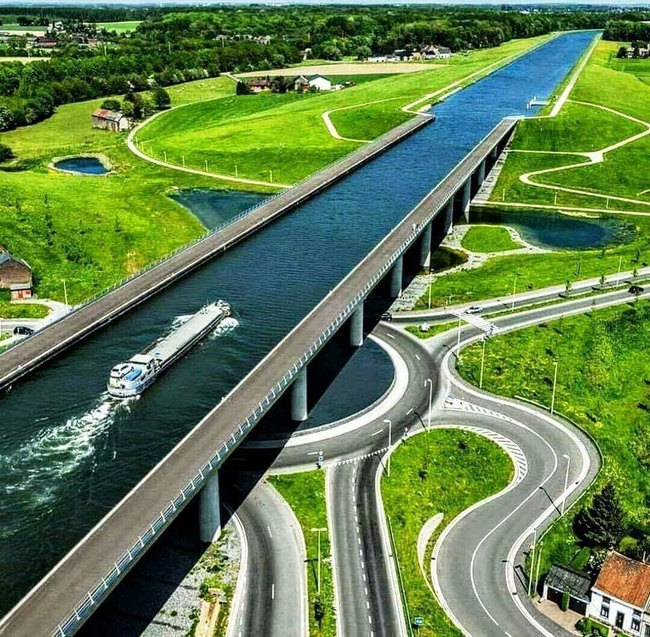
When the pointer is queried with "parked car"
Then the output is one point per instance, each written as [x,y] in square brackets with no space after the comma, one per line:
[473,309]
[23,330]
[386,316]
[635,289]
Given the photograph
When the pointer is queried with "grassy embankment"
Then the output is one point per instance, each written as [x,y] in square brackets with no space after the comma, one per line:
[305,493]
[488,239]
[92,231]
[436,472]
[602,384]
[267,132]
[578,128]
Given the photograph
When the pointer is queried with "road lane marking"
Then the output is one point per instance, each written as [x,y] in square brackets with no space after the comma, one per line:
[377,432]
[312,453]
[272,591]
[390,336]
[268,528]
[416,356]
[409,411]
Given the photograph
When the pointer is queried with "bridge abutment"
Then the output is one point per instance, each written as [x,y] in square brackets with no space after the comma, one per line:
[210,510]
[396,277]
[299,409]
[356,327]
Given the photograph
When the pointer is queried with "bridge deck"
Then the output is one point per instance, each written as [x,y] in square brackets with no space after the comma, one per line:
[45,344]
[41,611]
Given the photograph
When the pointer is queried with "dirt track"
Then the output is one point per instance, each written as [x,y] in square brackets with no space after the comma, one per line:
[359,68]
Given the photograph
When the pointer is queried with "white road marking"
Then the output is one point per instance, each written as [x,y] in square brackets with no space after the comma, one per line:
[409,411]
[312,453]
[268,528]
[368,605]
[272,591]
[377,432]
[390,336]
[416,356]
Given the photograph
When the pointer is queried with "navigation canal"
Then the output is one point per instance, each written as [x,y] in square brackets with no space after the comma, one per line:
[68,453]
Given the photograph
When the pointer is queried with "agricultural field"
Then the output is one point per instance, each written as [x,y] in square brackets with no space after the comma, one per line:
[243,131]
[119,27]
[602,384]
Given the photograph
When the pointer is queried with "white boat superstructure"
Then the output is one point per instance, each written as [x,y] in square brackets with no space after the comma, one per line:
[133,377]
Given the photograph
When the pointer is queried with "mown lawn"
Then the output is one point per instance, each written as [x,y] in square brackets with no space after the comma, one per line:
[90,231]
[603,383]
[488,239]
[442,471]
[621,85]
[264,133]
[305,493]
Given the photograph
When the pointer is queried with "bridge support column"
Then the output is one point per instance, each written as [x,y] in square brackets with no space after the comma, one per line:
[299,410]
[480,174]
[396,277]
[209,510]
[425,246]
[466,198]
[494,153]
[356,327]
[449,216]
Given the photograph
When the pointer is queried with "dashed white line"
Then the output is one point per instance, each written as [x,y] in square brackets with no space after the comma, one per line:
[409,411]
[390,336]
[416,356]
[377,432]
[268,528]
[272,591]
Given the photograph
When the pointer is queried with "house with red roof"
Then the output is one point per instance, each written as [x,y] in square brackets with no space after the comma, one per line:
[620,597]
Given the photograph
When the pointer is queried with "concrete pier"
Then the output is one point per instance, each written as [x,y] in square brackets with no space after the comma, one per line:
[209,511]
[299,411]
[480,173]
[425,246]
[356,327]
[396,277]
[467,187]
[449,216]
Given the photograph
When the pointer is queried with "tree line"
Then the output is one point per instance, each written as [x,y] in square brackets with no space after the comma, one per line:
[179,45]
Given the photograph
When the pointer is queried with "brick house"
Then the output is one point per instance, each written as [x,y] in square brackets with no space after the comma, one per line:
[620,596]
[110,120]
[15,275]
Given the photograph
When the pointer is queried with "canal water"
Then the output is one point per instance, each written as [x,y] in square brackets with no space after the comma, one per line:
[68,453]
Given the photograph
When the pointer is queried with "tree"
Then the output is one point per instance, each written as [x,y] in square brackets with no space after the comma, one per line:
[127,108]
[243,88]
[161,98]
[5,153]
[111,104]
[6,119]
[622,52]
[603,524]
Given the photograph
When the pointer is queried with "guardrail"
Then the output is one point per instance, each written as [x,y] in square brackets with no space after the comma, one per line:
[85,606]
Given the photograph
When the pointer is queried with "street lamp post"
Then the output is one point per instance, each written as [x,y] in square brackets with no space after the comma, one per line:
[566,481]
[430,283]
[480,379]
[319,531]
[65,294]
[458,339]
[390,443]
[428,380]
[620,264]
[532,562]
[554,386]
[514,291]
[539,561]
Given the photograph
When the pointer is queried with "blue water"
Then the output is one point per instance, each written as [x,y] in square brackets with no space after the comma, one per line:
[85,165]
[215,207]
[67,454]
[559,231]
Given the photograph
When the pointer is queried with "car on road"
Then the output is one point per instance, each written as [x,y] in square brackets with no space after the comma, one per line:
[23,330]
[635,289]
[473,309]
[386,316]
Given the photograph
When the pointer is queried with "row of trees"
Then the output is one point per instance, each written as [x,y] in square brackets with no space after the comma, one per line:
[627,31]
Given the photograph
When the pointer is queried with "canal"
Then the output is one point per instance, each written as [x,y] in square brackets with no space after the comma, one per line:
[68,453]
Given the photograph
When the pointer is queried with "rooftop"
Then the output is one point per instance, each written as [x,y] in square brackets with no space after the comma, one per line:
[113,116]
[567,580]
[625,578]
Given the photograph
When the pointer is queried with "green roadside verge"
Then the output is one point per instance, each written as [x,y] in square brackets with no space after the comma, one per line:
[442,471]
[305,493]
[602,384]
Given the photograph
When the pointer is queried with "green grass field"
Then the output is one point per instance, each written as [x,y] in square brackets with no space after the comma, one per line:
[119,27]
[622,85]
[266,132]
[90,231]
[602,384]
[442,471]
[488,239]
[305,493]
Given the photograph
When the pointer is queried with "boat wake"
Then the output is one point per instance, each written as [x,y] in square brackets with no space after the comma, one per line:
[227,325]
[32,471]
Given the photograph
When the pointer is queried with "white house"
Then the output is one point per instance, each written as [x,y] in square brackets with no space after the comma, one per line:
[319,83]
[621,595]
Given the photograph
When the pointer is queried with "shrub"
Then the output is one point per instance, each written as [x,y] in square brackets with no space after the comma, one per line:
[111,104]
[5,153]
[566,598]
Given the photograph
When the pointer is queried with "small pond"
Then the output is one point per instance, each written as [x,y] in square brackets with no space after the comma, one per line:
[83,165]
[215,207]
[555,230]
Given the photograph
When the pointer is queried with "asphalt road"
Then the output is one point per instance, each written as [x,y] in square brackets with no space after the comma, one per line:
[275,598]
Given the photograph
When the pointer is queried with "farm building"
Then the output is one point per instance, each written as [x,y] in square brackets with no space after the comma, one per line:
[110,120]
[15,275]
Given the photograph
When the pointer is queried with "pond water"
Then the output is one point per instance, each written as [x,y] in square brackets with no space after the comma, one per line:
[85,165]
[215,207]
[555,230]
